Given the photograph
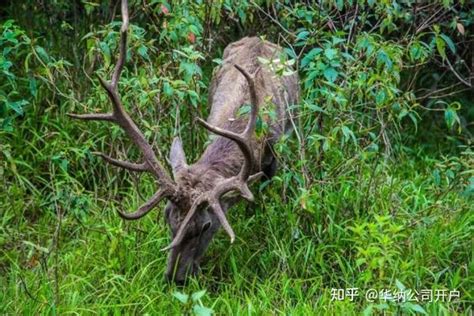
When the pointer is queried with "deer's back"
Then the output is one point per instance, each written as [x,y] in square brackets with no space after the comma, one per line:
[229,89]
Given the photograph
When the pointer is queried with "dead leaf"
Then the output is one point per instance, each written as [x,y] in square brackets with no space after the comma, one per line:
[460,28]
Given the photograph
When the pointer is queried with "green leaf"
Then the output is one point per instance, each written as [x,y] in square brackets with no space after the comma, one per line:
[348,134]
[416,52]
[330,74]
[330,53]
[436,177]
[7,124]
[448,41]
[194,29]
[42,54]
[310,56]
[382,57]
[64,164]
[415,308]
[198,295]
[17,106]
[399,285]
[167,89]
[451,117]
[32,86]
[441,46]
[183,298]
[202,311]
[370,308]
[302,36]
[380,97]
[244,109]
[217,61]
[315,108]
[106,51]
[143,51]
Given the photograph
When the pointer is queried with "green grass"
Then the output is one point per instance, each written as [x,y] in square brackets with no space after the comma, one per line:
[376,193]
[361,227]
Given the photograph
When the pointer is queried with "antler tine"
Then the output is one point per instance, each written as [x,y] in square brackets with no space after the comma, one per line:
[250,128]
[180,234]
[145,208]
[123,119]
[217,208]
[123,44]
[124,164]
[93,117]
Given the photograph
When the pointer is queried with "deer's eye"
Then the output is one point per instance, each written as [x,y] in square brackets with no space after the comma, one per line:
[205,226]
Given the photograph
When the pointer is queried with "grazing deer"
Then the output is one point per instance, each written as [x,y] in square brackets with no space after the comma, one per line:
[198,195]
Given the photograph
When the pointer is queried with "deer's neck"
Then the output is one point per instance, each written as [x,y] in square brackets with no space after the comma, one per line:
[223,157]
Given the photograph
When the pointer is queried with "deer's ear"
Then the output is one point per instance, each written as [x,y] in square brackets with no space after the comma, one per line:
[177,158]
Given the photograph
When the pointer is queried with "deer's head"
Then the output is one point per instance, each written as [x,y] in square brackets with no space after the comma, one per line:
[195,208]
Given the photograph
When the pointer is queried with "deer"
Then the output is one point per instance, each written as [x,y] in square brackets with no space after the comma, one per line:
[200,194]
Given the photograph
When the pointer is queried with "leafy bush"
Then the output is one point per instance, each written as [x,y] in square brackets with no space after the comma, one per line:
[374,188]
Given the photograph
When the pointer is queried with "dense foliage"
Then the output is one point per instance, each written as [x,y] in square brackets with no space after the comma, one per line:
[375,186]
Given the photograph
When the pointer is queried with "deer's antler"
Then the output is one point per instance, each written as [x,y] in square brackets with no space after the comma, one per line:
[121,117]
[237,183]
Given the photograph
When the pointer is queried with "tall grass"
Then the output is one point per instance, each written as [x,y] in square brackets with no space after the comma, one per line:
[374,188]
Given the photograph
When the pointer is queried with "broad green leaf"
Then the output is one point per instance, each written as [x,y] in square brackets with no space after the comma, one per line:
[448,41]
[436,177]
[167,89]
[330,53]
[315,108]
[370,308]
[302,35]
[106,51]
[380,97]
[143,51]
[244,109]
[202,311]
[348,134]
[183,298]
[399,285]
[451,117]
[330,74]
[198,295]
[17,106]
[310,56]
[382,57]
[194,29]
[42,54]
[415,308]
[415,52]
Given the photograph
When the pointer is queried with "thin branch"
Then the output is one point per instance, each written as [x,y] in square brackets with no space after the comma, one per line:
[272,18]
[458,75]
